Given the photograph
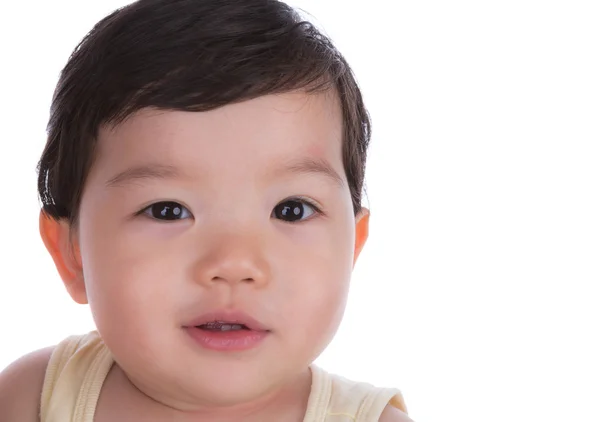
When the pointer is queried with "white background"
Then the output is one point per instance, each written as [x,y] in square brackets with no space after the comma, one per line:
[477,292]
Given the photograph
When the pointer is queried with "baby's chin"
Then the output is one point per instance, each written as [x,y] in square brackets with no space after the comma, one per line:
[237,384]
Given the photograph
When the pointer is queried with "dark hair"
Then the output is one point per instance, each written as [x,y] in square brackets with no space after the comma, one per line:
[192,55]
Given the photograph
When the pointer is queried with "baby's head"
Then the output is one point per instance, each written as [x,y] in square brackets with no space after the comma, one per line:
[204,168]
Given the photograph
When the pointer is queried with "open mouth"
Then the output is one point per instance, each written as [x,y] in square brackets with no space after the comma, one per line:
[217,326]
[226,336]
[227,331]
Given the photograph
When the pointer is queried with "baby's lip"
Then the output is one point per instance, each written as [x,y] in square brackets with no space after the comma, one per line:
[229,316]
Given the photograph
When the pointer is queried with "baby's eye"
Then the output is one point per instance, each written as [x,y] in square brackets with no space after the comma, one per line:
[293,210]
[167,210]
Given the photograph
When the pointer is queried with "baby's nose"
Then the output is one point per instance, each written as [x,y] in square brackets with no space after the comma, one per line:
[235,261]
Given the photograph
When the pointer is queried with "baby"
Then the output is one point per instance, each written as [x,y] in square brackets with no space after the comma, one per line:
[201,188]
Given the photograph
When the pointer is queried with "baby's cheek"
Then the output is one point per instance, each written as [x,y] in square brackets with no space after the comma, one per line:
[128,291]
[318,312]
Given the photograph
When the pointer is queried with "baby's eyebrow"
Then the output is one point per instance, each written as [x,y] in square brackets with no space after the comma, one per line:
[303,165]
[310,165]
[144,172]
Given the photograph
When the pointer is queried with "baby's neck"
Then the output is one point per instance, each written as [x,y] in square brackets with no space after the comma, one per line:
[122,400]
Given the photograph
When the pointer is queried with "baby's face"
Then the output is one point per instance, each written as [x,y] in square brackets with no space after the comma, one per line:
[242,209]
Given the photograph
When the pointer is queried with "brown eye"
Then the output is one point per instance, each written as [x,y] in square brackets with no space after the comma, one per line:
[293,210]
[167,211]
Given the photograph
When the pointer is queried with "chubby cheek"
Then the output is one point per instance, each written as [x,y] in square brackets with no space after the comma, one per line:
[316,290]
[315,317]
[129,285]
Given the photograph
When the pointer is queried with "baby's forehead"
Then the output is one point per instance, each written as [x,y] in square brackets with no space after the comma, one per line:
[287,117]
[323,104]
[296,131]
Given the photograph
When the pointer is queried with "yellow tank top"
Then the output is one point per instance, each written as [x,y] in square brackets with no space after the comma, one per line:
[79,365]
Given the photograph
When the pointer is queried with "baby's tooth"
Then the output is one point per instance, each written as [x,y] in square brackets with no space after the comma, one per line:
[225,327]
[236,327]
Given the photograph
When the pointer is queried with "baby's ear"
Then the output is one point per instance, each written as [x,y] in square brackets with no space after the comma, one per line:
[64,249]
[362,231]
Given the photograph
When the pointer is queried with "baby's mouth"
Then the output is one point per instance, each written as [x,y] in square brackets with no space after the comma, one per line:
[227,330]
[222,326]
[227,321]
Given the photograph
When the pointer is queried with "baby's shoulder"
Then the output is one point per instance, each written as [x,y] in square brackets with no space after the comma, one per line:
[393,414]
[21,385]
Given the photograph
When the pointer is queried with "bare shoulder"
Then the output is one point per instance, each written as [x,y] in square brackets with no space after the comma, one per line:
[21,386]
[393,414]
